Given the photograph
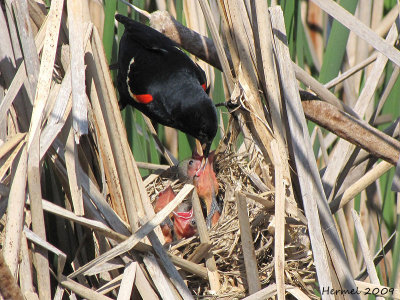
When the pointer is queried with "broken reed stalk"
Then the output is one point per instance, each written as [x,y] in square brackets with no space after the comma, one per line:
[33,146]
[212,271]
[72,161]
[267,70]
[38,241]
[126,168]
[143,285]
[379,255]
[359,28]
[168,156]
[351,71]
[343,149]
[15,214]
[246,238]
[9,161]
[142,232]
[279,237]
[239,29]
[113,122]
[100,227]
[173,274]
[128,279]
[367,179]
[219,55]
[223,56]
[355,131]
[347,242]
[105,149]
[31,58]
[365,250]
[159,279]
[81,290]
[77,65]
[302,152]
[25,271]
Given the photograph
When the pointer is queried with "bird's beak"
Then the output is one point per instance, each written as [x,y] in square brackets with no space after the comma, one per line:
[202,166]
[204,162]
[206,148]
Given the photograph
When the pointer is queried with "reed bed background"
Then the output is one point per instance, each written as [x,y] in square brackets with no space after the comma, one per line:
[308,205]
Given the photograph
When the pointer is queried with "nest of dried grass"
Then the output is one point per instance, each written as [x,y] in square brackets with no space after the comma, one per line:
[237,172]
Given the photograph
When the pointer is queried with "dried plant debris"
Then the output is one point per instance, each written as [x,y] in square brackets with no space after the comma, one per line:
[233,174]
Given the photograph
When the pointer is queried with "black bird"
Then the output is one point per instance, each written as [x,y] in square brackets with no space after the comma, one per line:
[158,78]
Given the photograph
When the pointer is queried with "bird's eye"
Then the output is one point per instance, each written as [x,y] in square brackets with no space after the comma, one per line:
[193,222]
[190,162]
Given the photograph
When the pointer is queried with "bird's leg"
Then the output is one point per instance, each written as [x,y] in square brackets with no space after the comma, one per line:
[214,211]
[208,208]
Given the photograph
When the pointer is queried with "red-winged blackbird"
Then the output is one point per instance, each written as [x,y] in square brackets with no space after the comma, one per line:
[160,80]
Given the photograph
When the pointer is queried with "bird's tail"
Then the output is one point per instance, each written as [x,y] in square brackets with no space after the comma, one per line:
[123,19]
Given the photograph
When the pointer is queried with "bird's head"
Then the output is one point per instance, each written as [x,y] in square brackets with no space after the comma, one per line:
[187,169]
[185,224]
[199,119]
[207,127]
[191,169]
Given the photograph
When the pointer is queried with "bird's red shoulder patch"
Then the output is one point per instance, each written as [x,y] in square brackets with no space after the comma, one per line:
[204,86]
[144,98]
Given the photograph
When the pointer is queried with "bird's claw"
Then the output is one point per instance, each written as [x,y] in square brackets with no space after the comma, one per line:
[208,221]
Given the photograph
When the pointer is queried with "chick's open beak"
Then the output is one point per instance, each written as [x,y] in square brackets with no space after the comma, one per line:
[202,166]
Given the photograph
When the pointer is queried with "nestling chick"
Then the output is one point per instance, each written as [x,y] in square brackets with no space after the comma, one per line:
[180,223]
[163,198]
[184,221]
[205,181]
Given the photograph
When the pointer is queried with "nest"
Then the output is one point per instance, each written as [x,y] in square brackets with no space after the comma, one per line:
[236,172]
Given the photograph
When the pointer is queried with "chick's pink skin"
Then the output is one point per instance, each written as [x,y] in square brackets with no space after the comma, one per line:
[163,198]
[207,187]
